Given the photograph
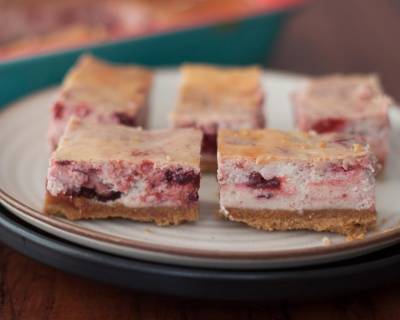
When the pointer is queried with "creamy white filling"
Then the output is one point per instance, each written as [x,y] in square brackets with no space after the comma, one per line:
[137,197]
[54,185]
[136,191]
[302,188]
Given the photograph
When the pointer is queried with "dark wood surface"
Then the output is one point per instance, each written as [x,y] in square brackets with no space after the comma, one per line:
[326,36]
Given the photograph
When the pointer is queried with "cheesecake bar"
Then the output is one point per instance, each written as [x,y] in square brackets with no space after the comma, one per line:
[212,97]
[276,180]
[110,170]
[101,92]
[354,104]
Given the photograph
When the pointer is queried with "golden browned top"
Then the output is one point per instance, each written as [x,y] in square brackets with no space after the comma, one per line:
[206,88]
[106,86]
[343,95]
[89,141]
[263,146]
[231,80]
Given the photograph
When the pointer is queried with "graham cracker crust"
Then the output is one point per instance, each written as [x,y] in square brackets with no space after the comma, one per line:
[76,208]
[208,164]
[352,223]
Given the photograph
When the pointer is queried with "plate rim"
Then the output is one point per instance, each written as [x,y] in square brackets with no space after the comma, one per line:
[251,278]
[386,236]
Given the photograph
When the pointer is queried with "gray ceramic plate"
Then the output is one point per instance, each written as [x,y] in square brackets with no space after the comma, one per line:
[210,242]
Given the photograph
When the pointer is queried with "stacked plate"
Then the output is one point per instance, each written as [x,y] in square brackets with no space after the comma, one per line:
[211,258]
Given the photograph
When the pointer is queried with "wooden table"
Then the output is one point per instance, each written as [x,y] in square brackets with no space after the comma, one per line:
[327,36]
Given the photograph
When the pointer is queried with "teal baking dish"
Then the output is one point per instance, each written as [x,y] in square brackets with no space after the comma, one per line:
[245,41]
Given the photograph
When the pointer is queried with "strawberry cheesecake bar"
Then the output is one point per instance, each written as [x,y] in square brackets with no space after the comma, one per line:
[101,92]
[216,97]
[109,170]
[352,104]
[275,180]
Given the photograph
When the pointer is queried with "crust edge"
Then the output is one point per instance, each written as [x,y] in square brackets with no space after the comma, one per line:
[348,222]
[79,208]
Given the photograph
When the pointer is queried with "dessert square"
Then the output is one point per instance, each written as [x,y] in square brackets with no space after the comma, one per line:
[352,104]
[275,180]
[110,170]
[101,92]
[213,97]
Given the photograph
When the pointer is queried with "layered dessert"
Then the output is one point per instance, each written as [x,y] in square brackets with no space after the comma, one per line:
[101,92]
[275,180]
[110,170]
[212,97]
[353,104]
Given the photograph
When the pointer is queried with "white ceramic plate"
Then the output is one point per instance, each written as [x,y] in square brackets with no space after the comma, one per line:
[210,242]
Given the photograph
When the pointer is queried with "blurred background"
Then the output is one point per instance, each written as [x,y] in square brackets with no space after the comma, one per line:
[39,26]
[343,36]
[311,37]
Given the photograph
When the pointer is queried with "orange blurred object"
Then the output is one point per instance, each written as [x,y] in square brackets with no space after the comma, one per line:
[36,26]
